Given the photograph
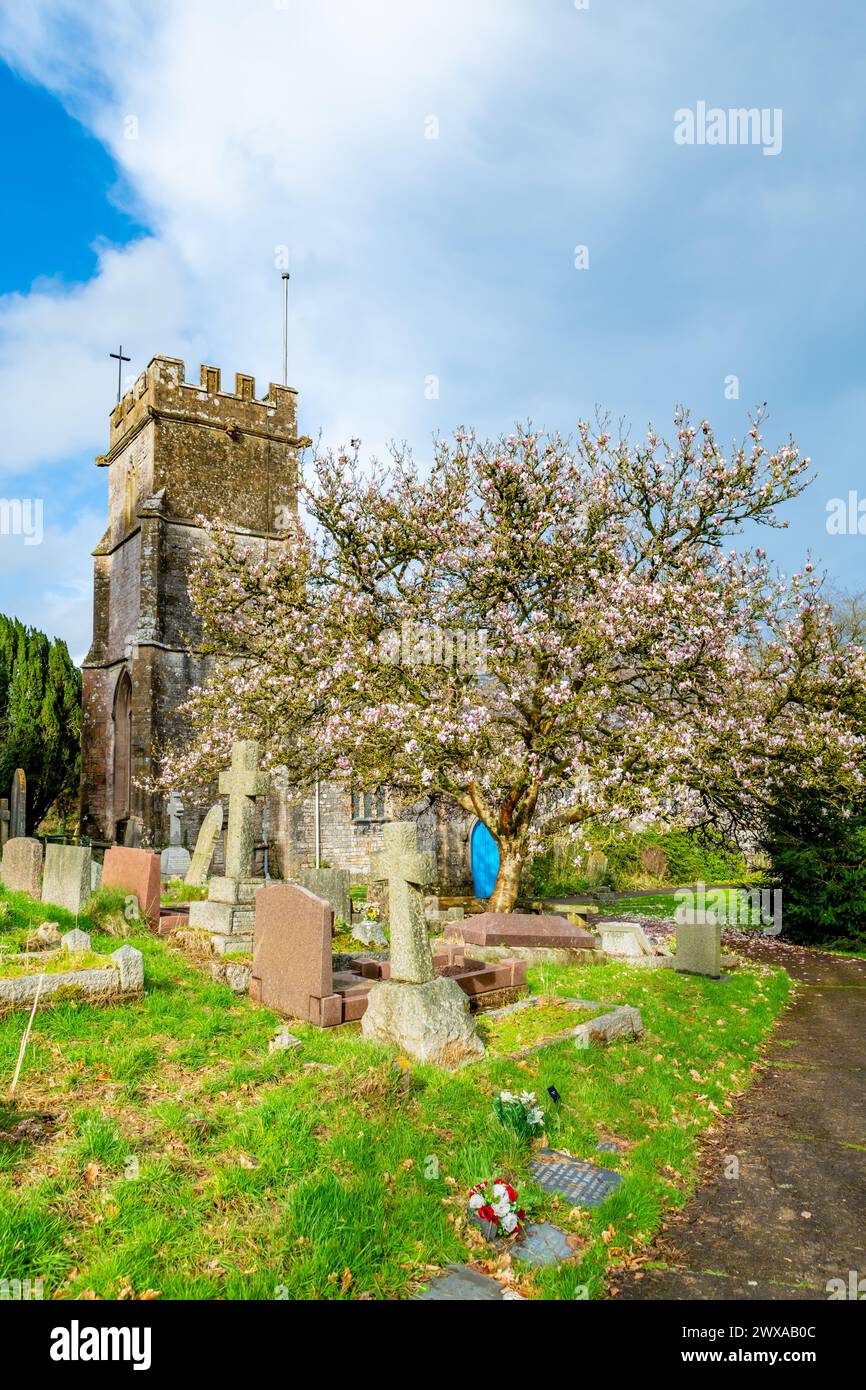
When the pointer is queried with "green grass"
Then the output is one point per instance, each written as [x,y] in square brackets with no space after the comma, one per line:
[529,1027]
[183,893]
[664,905]
[182,1158]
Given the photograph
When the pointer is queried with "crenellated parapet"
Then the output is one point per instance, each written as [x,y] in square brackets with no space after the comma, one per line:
[161,391]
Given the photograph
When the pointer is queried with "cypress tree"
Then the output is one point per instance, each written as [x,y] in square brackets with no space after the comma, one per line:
[40,718]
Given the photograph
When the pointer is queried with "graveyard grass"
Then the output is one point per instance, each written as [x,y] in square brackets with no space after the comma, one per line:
[183,1160]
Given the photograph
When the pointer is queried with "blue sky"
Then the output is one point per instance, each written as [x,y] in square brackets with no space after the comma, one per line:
[156,158]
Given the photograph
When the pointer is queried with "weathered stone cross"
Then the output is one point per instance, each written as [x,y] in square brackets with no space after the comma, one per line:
[242,783]
[407,873]
[5,817]
[174,808]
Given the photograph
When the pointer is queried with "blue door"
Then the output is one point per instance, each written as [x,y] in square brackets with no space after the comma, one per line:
[485,861]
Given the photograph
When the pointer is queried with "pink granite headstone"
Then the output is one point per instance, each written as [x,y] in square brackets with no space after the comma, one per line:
[135,871]
[292,961]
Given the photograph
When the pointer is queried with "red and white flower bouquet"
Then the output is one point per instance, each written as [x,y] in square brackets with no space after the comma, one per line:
[496,1203]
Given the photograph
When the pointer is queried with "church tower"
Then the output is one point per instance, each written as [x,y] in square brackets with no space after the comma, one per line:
[177,452]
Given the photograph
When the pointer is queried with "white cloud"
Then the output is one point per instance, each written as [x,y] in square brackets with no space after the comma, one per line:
[260,124]
[256,126]
[49,586]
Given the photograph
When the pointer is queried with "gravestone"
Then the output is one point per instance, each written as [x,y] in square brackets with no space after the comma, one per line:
[699,949]
[18,806]
[597,865]
[426,1016]
[512,929]
[21,870]
[229,913]
[67,877]
[370,934]
[211,829]
[333,885]
[654,861]
[5,817]
[242,783]
[292,969]
[175,860]
[136,871]
[583,1184]
[542,1243]
[461,1284]
[132,832]
[625,939]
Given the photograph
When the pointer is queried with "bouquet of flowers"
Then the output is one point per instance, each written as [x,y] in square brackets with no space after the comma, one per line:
[496,1203]
[520,1113]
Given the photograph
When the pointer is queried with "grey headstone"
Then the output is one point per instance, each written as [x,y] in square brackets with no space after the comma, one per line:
[21,870]
[624,939]
[174,862]
[699,949]
[370,934]
[334,886]
[76,941]
[67,878]
[132,833]
[211,828]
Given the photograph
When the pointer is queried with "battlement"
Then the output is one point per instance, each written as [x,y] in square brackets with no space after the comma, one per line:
[162,390]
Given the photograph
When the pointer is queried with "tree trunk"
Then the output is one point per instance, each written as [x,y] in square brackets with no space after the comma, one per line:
[507,880]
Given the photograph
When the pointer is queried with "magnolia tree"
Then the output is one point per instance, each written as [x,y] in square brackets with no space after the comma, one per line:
[543,631]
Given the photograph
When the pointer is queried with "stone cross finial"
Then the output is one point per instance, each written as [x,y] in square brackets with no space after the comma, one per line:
[174,808]
[407,873]
[242,783]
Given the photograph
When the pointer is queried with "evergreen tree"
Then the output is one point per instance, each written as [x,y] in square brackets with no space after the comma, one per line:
[40,718]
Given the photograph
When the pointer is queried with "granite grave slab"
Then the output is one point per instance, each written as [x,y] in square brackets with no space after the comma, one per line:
[583,1184]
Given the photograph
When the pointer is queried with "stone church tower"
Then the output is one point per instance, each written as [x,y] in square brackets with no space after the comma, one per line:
[176,452]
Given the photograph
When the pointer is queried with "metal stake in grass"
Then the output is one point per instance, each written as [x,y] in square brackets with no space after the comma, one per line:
[26,1038]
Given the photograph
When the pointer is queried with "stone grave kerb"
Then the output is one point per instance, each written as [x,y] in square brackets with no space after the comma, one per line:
[407,873]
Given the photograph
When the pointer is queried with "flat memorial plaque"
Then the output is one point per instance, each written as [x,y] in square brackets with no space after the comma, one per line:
[545,1244]
[460,1283]
[582,1183]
